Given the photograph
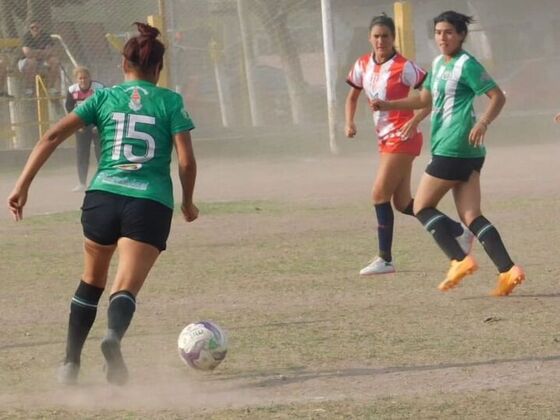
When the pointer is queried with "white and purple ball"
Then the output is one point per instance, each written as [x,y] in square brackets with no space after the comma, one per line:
[202,345]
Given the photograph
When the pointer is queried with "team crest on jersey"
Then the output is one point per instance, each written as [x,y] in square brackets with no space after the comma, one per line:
[135,101]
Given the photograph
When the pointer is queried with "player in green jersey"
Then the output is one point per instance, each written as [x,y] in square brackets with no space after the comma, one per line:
[128,206]
[457,145]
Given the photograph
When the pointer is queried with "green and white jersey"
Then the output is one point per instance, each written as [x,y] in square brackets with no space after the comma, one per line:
[136,122]
[453,86]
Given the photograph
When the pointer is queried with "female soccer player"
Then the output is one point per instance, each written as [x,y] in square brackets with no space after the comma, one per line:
[129,203]
[385,74]
[76,95]
[458,152]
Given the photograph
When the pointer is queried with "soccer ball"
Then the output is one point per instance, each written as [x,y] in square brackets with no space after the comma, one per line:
[202,345]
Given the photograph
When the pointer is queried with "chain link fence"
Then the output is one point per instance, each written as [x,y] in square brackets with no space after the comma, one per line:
[249,64]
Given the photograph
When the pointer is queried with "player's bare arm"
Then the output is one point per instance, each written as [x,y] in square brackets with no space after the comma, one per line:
[497,101]
[350,111]
[187,173]
[39,155]
[424,100]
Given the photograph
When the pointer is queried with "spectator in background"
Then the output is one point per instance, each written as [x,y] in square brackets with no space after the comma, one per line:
[38,58]
[3,78]
[78,93]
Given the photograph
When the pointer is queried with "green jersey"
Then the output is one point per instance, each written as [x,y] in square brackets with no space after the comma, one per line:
[453,86]
[136,122]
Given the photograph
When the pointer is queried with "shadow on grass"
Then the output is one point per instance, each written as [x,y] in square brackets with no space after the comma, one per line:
[294,376]
[510,297]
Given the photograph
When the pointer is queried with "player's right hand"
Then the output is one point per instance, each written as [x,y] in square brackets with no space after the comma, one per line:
[557,119]
[377,105]
[16,202]
[350,130]
[190,212]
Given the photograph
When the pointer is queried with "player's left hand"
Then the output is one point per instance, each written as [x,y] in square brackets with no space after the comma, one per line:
[190,212]
[557,119]
[408,129]
[476,136]
[16,202]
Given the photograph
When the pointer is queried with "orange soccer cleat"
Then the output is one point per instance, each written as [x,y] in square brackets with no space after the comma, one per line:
[457,271]
[508,280]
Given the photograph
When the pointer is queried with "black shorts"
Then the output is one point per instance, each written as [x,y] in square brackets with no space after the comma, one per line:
[454,169]
[106,217]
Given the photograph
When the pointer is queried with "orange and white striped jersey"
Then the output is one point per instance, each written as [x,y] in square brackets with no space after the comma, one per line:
[388,81]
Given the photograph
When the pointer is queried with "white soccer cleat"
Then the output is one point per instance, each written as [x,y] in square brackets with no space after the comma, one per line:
[465,240]
[378,266]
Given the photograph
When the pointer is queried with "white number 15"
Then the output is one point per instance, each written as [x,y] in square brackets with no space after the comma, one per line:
[131,133]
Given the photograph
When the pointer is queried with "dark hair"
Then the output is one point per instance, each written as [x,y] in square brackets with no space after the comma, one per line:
[383,20]
[459,21]
[143,51]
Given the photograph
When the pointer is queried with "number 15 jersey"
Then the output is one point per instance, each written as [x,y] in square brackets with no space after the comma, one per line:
[136,122]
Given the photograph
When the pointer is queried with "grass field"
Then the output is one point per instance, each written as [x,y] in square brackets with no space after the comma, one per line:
[274,260]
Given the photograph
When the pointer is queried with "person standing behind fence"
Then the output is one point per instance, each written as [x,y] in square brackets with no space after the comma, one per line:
[76,95]
[39,57]
[458,152]
[386,74]
[129,205]
[4,78]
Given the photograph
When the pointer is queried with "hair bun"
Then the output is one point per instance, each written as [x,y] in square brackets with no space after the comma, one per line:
[147,30]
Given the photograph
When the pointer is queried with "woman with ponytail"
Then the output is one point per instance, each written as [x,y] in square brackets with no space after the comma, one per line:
[129,204]
[458,152]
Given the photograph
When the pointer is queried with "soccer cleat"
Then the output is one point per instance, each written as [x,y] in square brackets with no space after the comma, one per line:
[116,371]
[465,240]
[67,373]
[458,271]
[378,266]
[508,280]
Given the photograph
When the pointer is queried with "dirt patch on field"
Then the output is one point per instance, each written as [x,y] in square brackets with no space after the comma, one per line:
[274,261]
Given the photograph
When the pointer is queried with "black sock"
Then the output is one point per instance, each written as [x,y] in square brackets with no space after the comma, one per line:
[385,221]
[490,239]
[455,228]
[409,210]
[83,309]
[122,305]
[437,224]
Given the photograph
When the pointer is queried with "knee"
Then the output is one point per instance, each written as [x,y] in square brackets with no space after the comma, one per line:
[30,66]
[379,194]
